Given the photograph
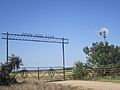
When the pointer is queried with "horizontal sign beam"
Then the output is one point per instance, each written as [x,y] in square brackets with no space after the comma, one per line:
[35,38]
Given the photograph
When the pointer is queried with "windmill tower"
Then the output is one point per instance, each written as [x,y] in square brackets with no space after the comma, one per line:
[103,32]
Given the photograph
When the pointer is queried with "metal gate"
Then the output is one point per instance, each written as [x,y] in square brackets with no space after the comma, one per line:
[41,73]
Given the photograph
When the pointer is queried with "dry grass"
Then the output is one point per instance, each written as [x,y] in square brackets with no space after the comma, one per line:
[32,84]
[36,85]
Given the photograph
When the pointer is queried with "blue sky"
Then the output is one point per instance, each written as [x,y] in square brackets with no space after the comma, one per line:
[77,20]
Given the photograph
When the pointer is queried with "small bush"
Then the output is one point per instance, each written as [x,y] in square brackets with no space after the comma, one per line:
[79,71]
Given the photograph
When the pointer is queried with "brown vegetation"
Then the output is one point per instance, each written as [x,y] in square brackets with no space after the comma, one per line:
[62,85]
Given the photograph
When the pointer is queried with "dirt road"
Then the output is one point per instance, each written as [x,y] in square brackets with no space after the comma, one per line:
[90,85]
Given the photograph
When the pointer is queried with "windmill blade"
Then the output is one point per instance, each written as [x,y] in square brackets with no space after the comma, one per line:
[99,33]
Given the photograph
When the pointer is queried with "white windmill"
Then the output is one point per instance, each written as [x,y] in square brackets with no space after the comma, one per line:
[103,32]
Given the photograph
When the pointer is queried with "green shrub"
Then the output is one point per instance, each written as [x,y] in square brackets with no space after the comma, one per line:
[79,71]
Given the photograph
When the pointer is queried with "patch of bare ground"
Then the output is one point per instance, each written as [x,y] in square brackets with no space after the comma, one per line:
[62,85]
[90,85]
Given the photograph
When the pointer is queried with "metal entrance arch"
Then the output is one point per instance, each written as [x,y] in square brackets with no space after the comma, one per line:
[36,38]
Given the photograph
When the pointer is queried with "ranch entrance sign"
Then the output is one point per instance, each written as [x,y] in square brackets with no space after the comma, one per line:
[37,38]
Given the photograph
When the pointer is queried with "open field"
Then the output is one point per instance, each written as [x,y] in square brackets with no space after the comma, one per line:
[32,84]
